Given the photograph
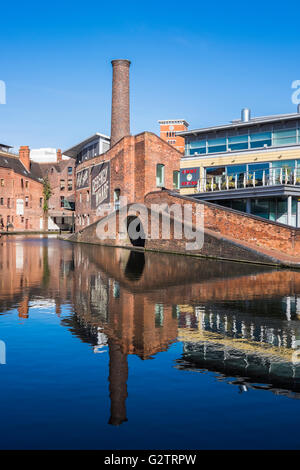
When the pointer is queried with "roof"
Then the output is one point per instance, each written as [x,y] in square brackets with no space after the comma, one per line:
[174,121]
[15,164]
[6,146]
[73,151]
[239,123]
[40,170]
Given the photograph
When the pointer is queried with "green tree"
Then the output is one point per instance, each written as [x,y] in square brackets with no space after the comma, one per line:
[47,192]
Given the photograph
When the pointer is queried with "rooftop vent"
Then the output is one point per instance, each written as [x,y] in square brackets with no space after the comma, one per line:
[245,115]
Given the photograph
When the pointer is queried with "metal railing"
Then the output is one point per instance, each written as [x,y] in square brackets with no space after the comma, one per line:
[272,177]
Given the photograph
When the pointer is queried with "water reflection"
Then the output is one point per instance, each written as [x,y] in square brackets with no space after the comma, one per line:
[239,321]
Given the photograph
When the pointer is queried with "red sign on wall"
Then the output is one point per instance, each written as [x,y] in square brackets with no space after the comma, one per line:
[189,177]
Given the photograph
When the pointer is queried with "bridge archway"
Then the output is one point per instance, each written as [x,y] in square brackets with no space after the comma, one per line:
[135,231]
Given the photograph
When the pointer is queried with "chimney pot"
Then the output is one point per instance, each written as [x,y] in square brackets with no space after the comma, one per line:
[24,155]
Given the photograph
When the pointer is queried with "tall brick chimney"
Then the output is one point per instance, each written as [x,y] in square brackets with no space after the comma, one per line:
[58,155]
[120,120]
[24,155]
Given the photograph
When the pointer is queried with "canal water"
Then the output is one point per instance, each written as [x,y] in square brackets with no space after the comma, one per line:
[104,348]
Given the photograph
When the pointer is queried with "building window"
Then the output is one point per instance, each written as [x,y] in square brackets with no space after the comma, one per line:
[62,185]
[26,201]
[87,196]
[70,170]
[41,202]
[70,185]
[80,197]
[1,201]
[117,193]
[26,184]
[8,219]
[160,174]
[62,201]
[2,182]
[8,202]
[176,178]
[22,183]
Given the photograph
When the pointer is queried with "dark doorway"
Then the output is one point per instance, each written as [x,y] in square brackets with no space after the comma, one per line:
[135,226]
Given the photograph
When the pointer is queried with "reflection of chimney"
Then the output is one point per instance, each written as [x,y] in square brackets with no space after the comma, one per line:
[118,375]
[120,120]
[58,154]
[23,308]
[24,154]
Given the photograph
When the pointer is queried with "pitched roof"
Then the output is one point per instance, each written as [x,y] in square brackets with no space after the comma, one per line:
[15,164]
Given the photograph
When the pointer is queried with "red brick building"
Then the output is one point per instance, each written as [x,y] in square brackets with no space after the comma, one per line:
[61,177]
[168,132]
[131,168]
[21,192]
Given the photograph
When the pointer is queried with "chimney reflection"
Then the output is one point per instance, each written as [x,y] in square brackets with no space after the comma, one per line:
[118,375]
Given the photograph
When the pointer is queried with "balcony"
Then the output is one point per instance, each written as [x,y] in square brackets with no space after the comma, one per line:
[249,180]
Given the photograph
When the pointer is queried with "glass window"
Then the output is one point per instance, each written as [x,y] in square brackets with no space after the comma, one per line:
[239,205]
[282,211]
[70,185]
[284,164]
[198,146]
[176,176]
[236,169]
[215,171]
[160,174]
[62,185]
[287,137]
[260,169]
[70,170]
[239,142]
[216,145]
[260,207]
[260,140]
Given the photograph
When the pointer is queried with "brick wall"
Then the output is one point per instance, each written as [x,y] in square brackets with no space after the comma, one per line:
[133,163]
[239,226]
[16,186]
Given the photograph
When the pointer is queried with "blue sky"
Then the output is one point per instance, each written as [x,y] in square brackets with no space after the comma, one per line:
[199,61]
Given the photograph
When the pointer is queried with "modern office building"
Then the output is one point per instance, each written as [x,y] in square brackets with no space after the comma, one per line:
[169,130]
[250,164]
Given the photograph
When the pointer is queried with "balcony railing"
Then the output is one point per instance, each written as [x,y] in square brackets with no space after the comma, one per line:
[272,177]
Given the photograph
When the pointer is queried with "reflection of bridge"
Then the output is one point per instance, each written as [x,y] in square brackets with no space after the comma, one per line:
[178,277]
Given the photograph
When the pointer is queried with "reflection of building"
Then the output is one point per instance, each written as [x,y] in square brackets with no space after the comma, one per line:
[29,270]
[251,165]
[238,344]
[122,304]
